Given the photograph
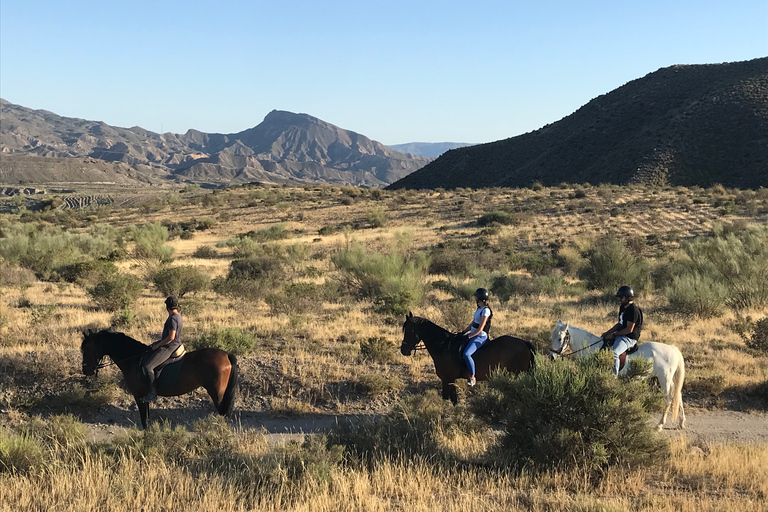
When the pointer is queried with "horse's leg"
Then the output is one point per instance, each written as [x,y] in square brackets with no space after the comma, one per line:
[665,382]
[143,412]
[449,392]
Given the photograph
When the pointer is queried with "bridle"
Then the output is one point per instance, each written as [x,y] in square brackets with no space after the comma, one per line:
[567,344]
[100,364]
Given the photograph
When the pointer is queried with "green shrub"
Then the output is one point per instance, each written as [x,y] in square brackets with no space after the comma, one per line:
[734,261]
[377,349]
[45,249]
[254,277]
[611,264]
[376,217]
[205,252]
[377,384]
[452,260]
[572,415]
[508,286]
[115,292]
[150,245]
[180,280]
[230,339]
[693,294]
[87,273]
[759,338]
[413,427]
[497,217]
[295,298]
[394,281]
[19,454]
[274,232]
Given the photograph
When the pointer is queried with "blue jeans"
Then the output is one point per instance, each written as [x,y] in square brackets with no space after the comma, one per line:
[621,344]
[474,343]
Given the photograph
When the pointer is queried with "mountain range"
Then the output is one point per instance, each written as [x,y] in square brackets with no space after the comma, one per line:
[681,125]
[284,148]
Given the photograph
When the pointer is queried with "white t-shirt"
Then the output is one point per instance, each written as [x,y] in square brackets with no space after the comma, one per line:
[482,311]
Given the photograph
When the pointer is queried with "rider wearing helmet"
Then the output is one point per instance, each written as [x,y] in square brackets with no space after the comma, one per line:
[626,332]
[165,347]
[478,331]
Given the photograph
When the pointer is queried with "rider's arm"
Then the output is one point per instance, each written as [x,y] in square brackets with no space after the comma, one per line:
[612,330]
[479,329]
[628,329]
[171,336]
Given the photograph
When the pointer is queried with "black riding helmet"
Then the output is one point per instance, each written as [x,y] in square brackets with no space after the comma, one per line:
[482,294]
[625,291]
[172,302]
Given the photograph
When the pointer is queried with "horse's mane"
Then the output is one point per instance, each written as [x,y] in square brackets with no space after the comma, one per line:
[116,345]
[429,329]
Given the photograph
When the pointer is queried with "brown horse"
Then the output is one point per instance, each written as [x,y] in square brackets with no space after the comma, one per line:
[505,352]
[210,368]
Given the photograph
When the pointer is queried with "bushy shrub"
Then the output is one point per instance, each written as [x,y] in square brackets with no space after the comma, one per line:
[759,338]
[231,339]
[699,295]
[377,349]
[205,252]
[731,262]
[497,217]
[295,298]
[414,427]
[150,245]
[572,415]
[254,277]
[377,384]
[46,249]
[180,280]
[508,286]
[13,276]
[611,264]
[394,281]
[115,292]
[452,260]
[87,273]
[376,217]
[19,454]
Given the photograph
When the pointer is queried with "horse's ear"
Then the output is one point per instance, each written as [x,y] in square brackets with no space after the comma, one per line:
[409,316]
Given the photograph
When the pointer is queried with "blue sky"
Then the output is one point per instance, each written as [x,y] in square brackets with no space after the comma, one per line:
[394,71]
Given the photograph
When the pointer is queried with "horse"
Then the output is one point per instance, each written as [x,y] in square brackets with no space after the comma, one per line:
[211,368]
[668,363]
[505,352]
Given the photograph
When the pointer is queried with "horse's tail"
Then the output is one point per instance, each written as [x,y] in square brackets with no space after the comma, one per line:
[533,354]
[677,386]
[228,401]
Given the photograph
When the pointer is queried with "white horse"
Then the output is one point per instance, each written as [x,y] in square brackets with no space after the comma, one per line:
[668,364]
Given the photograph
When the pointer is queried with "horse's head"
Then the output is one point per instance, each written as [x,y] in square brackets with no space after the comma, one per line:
[92,352]
[561,339]
[411,337]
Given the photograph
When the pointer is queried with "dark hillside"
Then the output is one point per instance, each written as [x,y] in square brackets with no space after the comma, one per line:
[682,125]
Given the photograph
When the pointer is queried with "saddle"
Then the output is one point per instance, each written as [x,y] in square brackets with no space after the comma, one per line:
[623,356]
[456,348]
[177,355]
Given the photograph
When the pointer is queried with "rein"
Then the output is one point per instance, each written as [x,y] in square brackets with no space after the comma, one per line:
[104,365]
[568,344]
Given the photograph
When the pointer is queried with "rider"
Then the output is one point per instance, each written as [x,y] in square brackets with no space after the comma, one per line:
[165,347]
[626,332]
[478,331]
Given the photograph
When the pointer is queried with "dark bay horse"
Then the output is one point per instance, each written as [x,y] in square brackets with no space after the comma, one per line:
[210,368]
[505,352]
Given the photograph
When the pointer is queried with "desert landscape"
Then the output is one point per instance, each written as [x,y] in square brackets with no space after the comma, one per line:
[309,286]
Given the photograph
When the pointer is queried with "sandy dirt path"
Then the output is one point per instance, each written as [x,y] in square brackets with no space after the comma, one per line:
[703,426]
